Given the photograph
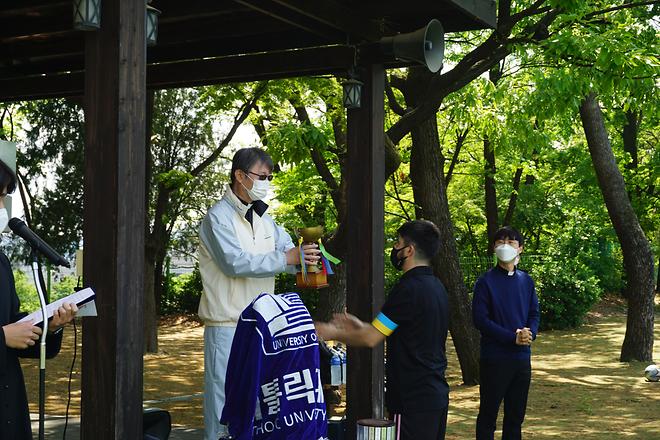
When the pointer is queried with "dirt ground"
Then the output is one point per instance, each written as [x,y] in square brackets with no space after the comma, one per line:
[579,388]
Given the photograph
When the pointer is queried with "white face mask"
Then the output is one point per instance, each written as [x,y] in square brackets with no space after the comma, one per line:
[4,219]
[506,253]
[259,189]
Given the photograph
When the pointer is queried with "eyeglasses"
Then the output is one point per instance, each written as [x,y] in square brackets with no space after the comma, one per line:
[269,177]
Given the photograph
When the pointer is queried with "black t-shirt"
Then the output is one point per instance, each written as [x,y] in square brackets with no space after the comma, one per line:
[415,319]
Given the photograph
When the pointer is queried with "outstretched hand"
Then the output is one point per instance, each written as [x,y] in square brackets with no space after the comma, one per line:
[340,324]
[346,321]
[326,330]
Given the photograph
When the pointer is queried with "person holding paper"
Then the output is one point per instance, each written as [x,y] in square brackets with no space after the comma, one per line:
[241,250]
[19,339]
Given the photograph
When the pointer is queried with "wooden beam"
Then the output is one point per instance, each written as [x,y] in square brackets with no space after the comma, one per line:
[338,16]
[175,10]
[64,43]
[21,8]
[215,27]
[270,65]
[365,268]
[170,53]
[293,18]
[114,219]
[54,20]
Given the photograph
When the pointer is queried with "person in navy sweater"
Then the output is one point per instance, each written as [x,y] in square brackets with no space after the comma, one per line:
[505,309]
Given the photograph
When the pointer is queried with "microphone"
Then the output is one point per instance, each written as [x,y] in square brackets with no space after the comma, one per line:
[20,228]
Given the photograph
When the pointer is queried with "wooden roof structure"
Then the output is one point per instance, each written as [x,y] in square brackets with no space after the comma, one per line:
[203,42]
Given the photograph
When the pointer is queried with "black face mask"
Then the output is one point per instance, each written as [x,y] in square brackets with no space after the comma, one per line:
[394,258]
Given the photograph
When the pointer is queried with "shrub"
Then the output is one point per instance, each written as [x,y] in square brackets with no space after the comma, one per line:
[181,293]
[27,293]
[566,292]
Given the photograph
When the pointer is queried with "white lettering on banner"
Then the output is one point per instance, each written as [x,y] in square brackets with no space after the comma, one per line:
[272,393]
[289,420]
[293,341]
[297,387]
[319,388]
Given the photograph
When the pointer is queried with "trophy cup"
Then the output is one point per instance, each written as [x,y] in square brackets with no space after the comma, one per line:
[313,276]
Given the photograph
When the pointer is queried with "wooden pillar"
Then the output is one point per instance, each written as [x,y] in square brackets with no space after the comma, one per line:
[113,230]
[365,271]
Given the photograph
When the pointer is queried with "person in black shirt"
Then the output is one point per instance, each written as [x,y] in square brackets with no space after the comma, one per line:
[414,320]
[19,339]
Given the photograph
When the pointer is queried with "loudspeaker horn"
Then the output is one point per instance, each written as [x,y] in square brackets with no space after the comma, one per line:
[424,46]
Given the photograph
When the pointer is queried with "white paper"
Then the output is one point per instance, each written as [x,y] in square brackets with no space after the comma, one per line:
[76,297]
[87,309]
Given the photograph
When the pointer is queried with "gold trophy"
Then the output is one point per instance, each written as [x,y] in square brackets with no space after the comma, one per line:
[311,276]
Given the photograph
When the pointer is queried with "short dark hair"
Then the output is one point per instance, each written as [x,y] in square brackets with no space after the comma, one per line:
[507,232]
[245,158]
[7,178]
[424,234]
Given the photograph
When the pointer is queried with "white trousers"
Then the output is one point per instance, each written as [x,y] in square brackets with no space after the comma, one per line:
[217,345]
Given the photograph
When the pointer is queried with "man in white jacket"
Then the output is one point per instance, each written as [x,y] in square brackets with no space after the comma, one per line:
[241,250]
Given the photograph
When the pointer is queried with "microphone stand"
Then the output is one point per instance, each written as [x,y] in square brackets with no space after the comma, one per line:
[36,273]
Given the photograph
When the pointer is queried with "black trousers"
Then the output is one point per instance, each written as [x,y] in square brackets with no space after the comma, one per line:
[508,380]
[427,425]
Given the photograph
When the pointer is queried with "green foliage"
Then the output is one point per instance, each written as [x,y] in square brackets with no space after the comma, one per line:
[50,158]
[286,282]
[63,288]
[566,293]
[182,293]
[27,292]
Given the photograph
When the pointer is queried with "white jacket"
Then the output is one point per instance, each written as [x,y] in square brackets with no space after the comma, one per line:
[237,261]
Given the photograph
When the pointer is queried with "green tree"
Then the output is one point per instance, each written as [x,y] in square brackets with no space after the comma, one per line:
[182,153]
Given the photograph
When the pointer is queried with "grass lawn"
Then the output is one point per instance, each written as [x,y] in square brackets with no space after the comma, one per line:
[579,389]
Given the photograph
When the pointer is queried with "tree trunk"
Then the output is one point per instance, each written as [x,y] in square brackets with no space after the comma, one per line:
[630,130]
[637,256]
[150,322]
[150,312]
[333,299]
[156,250]
[430,193]
[513,198]
[657,282]
[490,193]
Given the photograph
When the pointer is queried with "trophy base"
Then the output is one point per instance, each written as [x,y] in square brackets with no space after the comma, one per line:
[315,280]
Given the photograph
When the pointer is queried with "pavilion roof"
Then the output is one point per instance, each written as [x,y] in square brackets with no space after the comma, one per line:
[215,41]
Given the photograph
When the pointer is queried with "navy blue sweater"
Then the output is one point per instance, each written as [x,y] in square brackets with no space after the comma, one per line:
[501,304]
